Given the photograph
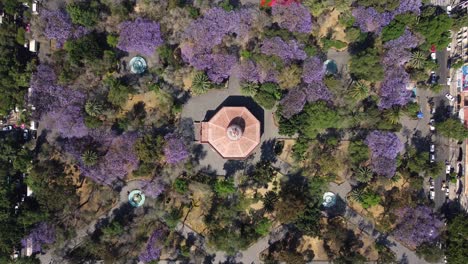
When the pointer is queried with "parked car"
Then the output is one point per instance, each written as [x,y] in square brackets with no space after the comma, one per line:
[432,125]
[443,186]
[447,169]
[7,128]
[432,148]
[431,193]
[433,56]
[447,192]
[450,97]
[431,182]
[432,158]
[26,134]
[449,47]
[449,80]
[433,78]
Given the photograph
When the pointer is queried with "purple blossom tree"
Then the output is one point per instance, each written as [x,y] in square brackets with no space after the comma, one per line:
[58,26]
[369,20]
[293,102]
[384,147]
[408,6]
[293,17]
[175,149]
[153,188]
[67,122]
[46,95]
[152,251]
[417,225]
[42,234]
[141,35]
[118,160]
[313,70]
[317,91]
[249,72]
[219,66]
[287,51]
[393,90]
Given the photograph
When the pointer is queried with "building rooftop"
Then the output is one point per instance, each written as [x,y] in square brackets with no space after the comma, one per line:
[233,132]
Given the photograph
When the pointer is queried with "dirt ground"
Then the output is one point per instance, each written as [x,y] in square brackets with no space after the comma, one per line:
[330,22]
[261,191]
[201,196]
[315,244]
[286,155]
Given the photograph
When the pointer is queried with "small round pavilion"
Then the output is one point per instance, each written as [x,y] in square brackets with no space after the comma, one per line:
[233,132]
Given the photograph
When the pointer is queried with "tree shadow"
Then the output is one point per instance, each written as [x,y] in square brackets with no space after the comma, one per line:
[268,151]
[339,209]
[420,143]
[198,152]
[233,166]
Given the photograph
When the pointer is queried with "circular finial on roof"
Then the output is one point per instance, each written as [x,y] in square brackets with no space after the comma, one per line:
[234,132]
[329,199]
[138,65]
[136,198]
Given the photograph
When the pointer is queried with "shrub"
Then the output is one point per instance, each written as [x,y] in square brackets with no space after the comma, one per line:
[224,188]
[181,185]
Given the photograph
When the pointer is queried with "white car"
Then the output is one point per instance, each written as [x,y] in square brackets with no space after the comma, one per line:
[431,125]
[449,47]
[432,158]
[447,192]
[433,56]
[450,97]
[432,148]
[449,80]
[431,193]
[447,169]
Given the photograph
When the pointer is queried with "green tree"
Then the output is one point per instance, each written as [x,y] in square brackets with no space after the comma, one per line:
[358,152]
[20,38]
[452,128]
[249,89]
[457,240]
[89,157]
[149,148]
[224,188]
[112,40]
[430,252]
[118,92]
[370,199]
[201,84]
[359,91]
[269,200]
[417,59]
[393,30]
[393,115]
[181,185]
[84,13]
[364,174]
[434,26]
[380,5]
[173,217]
[85,49]
[93,108]
[316,118]
[366,65]
[113,230]
[263,226]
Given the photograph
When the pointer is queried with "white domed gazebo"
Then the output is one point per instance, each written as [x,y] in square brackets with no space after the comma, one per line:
[233,132]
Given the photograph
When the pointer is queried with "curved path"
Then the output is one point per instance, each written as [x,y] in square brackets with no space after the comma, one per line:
[83,232]
[403,254]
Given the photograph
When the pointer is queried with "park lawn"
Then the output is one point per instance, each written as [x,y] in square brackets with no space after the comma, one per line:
[316,245]
[201,197]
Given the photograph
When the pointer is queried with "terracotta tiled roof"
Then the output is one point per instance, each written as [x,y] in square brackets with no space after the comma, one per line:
[215,132]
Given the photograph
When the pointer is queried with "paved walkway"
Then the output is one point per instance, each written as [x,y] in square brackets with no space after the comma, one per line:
[82,233]
[404,255]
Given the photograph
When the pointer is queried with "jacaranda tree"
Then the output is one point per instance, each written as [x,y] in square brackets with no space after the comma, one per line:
[384,147]
[42,234]
[152,251]
[417,225]
[141,35]
[176,149]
